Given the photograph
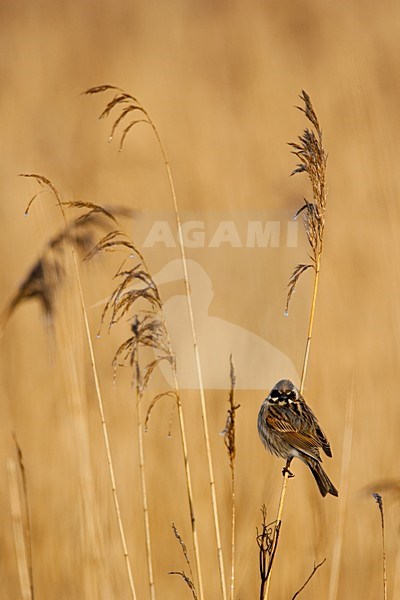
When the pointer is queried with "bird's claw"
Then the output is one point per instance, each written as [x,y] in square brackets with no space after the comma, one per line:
[285,471]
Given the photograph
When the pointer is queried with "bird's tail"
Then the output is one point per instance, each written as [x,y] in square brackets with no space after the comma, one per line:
[325,485]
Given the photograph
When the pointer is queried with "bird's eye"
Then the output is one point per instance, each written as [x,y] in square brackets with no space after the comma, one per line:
[291,395]
[274,393]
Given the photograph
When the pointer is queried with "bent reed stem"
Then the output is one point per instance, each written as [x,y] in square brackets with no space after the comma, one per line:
[129,104]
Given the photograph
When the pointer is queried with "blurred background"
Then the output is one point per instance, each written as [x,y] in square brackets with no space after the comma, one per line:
[221,81]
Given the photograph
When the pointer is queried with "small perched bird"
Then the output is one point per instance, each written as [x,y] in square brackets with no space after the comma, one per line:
[288,428]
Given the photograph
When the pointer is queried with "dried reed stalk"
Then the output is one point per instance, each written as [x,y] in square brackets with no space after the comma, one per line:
[229,434]
[315,569]
[312,156]
[130,105]
[18,527]
[379,500]
[48,185]
[27,518]
[139,396]
[344,487]
[265,542]
[199,371]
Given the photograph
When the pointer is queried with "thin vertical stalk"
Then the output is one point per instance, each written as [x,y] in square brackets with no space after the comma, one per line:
[139,397]
[344,487]
[229,434]
[198,366]
[310,324]
[276,534]
[27,528]
[19,538]
[233,529]
[188,481]
[379,500]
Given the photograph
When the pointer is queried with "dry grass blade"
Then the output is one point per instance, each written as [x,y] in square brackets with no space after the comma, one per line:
[188,580]
[378,499]
[315,569]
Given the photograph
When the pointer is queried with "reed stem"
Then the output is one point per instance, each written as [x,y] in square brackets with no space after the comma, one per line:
[198,368]
[139,396]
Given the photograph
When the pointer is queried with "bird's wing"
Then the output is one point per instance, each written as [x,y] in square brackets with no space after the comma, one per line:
[303,441]
[319,434]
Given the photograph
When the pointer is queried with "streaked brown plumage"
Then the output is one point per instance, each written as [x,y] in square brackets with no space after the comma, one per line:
[288,428]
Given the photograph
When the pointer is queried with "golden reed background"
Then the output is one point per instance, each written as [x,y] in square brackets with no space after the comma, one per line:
[220,80]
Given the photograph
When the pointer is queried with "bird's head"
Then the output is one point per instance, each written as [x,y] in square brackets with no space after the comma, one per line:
[284,392]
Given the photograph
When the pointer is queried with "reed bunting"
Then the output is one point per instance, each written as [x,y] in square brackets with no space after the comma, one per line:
[288,428]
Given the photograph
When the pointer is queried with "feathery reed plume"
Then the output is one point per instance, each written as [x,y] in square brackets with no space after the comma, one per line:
[315,569]
[128,105]
[379,500]
[47,185]
[229,434]
[47,274]
[188,580]
[312,156]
